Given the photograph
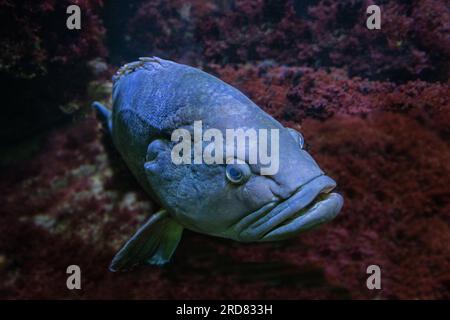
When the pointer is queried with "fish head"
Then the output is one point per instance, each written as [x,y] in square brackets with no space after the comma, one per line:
[241,199]
[295,198]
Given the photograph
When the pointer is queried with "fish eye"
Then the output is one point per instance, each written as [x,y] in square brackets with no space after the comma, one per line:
[237,173]
[301,140]
[298,137]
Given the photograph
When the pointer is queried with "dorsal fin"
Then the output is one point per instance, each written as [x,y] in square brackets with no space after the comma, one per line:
[143,62]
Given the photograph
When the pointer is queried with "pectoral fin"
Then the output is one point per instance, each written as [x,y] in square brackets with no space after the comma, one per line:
[154,243]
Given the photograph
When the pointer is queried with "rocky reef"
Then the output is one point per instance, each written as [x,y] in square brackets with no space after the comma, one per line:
[373,106]
[43,65]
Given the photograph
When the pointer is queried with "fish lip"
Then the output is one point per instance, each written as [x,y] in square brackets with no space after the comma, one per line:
[317,213]
[287,210]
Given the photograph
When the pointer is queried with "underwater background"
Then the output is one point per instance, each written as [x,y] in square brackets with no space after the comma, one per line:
[373,106]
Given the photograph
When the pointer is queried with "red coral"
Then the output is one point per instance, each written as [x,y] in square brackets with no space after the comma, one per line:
[165,29]
[293,94]
[413,42]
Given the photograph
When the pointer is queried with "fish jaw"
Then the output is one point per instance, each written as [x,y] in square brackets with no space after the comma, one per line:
[321,212]
[311,205]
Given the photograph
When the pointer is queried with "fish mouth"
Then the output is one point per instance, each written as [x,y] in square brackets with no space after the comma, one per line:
[311,205]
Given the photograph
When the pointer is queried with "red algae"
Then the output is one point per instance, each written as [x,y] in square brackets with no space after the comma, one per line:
[388,162]
[410,44]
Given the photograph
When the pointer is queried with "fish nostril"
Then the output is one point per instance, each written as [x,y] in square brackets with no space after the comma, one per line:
[150,157]
[154,149]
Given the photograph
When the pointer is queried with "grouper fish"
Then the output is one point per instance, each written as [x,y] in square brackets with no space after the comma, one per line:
[153,97]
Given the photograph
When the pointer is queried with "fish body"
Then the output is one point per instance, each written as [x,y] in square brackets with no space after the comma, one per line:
[152,98]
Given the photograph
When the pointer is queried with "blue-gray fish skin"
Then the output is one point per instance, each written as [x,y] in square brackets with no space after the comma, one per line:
[151,98]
